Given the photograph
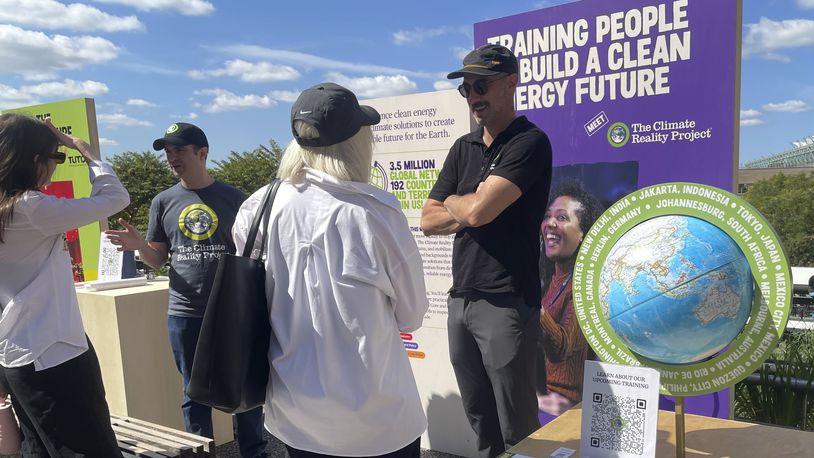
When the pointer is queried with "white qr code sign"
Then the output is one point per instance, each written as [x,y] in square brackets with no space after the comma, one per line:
[619,411]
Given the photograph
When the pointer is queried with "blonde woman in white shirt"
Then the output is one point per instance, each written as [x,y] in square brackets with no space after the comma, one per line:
[347,278]
[47,363]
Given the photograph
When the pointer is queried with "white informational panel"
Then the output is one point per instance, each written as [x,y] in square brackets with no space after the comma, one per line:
[620,411]
[111,260]
[412,141]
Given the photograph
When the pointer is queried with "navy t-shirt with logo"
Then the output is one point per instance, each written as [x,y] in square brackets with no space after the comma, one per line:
[196,225]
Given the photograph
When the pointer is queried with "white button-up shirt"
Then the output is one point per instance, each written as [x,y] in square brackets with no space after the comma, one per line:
[41,323]
[347,277]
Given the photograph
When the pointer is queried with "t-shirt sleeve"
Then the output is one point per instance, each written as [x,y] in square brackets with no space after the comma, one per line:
[155,229]
[447,182]
[524,160]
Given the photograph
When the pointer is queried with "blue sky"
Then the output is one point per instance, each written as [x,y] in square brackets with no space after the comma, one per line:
[234,67]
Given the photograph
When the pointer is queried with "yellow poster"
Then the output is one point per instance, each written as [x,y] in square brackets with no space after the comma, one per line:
[75,117]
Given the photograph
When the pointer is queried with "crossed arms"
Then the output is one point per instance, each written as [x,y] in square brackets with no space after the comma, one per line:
[475,209]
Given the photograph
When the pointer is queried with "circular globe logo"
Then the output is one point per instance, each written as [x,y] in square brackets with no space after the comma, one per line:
[687,279]
[618,134]
[378,177]
[198,221]
[676,289]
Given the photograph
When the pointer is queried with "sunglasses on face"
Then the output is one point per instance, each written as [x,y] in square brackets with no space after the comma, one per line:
[58,157]
[481,87]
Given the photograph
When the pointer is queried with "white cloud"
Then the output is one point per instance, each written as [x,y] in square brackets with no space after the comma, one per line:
[140,103]
[751,122]
[185,7]
[310,61]
[285,96]
[50,14]
[189,116]
[805,4]
[107,142]
[767,37]
[250,72]
[11,97]
[38,56]
[418,35]
[750,118]
[443,85]
[791,106]
[67,88]
[374,86]
[120,119]
[223,100]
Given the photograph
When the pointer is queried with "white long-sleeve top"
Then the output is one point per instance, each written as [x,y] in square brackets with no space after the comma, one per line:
[41,323]
[347,277]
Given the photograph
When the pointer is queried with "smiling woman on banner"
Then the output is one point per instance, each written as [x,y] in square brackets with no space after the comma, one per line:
[570,214]
[47,362]
[344,277]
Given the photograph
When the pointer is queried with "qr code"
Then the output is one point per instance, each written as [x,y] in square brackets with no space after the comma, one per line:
[617,423]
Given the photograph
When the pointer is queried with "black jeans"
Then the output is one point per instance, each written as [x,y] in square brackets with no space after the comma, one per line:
[492,346]
[62,409]
[413,450]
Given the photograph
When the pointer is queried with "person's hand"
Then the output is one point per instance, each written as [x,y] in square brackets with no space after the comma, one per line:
[73,142]
[128,239]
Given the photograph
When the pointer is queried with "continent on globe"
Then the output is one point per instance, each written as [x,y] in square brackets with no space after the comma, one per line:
[676,289]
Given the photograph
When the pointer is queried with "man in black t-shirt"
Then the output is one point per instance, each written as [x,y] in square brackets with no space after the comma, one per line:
[491,193]
[191,224]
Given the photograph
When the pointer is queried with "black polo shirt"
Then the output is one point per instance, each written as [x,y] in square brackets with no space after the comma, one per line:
[502,256]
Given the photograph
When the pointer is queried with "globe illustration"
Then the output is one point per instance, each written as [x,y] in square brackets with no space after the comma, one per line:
[618,134]
[676,289]
[378,177]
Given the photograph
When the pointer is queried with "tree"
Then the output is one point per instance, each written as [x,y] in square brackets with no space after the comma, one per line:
[249,171]
[144,174]
[787,202]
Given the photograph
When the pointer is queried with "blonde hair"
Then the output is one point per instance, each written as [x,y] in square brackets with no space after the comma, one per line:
[348,160]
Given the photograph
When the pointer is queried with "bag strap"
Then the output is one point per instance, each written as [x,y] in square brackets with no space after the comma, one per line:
[262,212]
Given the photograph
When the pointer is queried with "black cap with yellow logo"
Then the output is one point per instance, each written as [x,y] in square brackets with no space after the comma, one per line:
[486,61]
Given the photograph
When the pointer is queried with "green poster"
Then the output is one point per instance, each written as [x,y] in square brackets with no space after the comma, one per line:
[75,117]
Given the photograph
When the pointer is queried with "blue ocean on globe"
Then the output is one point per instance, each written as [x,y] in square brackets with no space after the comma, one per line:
[676,289]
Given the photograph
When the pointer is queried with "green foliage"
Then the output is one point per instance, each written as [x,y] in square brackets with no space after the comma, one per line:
[249,171]
[787,202]
[782,394]
[144,174]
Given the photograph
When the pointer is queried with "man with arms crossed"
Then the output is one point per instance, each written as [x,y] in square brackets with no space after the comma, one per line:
[492,193]
[191,223]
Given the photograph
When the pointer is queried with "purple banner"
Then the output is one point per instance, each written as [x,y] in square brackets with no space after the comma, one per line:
[632,93]
[631,80]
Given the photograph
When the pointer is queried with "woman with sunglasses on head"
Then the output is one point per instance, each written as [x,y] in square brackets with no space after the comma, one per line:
[570,214]
[47,363]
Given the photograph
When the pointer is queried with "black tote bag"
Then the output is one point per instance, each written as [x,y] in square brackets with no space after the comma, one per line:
[231,368]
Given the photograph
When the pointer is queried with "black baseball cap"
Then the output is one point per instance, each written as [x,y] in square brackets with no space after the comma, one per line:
[333,111]
[181,134]
[486,61]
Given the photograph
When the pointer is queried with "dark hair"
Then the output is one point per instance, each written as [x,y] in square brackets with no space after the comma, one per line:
[589,211]
[22,139]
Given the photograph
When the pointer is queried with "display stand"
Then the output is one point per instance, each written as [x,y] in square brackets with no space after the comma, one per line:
[128,329]
[680,432]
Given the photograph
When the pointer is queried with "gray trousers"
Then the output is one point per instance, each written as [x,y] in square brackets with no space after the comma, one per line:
[492,346]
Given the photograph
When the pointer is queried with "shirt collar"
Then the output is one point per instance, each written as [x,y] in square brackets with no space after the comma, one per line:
[332,184]
[519,124]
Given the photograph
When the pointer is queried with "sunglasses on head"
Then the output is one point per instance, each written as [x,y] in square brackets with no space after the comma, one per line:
[58,157]
[481,87]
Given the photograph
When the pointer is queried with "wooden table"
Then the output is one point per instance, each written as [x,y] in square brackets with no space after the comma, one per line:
[705,437]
